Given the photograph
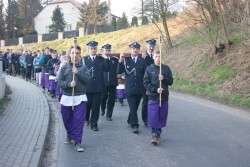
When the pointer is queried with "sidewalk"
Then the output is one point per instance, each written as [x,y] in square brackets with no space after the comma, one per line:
[23,125]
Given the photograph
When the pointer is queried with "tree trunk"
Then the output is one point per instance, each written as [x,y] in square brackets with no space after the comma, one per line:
[95,17]
[165,26]
[223,23]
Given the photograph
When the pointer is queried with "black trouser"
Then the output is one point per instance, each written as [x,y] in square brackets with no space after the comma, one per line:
[109,95]
[23,71]
[120,100]
[28,72]
[18,68]
[10,68]
[93,104]
[133,102]
[144,106]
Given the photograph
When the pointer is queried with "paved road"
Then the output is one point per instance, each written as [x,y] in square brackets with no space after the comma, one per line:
[199,134]
[23,125]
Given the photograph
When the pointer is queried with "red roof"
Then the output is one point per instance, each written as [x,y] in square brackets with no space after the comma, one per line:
[75,3]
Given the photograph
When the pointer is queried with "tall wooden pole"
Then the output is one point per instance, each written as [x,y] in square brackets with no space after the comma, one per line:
[74,65]
[160,69]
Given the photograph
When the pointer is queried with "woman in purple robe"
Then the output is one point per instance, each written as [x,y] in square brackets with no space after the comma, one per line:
[157,115]
[73,106]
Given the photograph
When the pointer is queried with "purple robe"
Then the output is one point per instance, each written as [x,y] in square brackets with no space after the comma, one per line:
[157,116]
[52,85]
[46,79]
[59,91]
[120,93]
[74,120]
[43,78]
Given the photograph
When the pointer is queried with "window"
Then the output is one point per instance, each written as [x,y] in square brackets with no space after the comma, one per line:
[68,27]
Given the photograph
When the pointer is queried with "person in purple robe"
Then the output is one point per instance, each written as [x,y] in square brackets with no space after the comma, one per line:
[74,105]
[52,76]
[157,115]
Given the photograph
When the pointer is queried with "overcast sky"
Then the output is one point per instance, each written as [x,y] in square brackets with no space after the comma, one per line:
[117,6]
[120,6]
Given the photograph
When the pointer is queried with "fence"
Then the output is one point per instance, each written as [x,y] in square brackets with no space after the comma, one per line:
[71,34]
[54,36]
[50,36]
[99,29]
[11,41]
[30,39]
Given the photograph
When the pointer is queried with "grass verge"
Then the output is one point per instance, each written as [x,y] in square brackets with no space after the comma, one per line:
[208,89]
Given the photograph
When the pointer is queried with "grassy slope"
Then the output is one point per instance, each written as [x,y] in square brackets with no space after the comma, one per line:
[195,69]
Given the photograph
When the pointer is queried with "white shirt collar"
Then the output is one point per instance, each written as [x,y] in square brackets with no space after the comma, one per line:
[134,57]
[149,53]
[92,56]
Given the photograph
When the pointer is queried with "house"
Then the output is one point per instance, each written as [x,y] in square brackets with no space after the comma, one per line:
[70,10]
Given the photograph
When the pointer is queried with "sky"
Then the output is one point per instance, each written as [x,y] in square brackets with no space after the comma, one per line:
[117,7]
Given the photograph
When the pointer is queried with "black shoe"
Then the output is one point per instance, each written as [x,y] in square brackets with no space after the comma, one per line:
[103,113]
[109,118]
[135,130]
[94,128]
[146,124]
[87,122]
[53,95]
[130,125]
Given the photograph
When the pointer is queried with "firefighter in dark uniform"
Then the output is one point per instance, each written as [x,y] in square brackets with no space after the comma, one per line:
[134,69]
[110,78]
[96,66]
[149,60]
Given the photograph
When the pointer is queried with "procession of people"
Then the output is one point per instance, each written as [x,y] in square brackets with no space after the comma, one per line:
[88,86]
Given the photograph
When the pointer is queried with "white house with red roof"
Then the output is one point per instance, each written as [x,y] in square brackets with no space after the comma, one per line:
[70,10]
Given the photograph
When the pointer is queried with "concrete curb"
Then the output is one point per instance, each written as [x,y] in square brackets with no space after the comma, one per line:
[40,145]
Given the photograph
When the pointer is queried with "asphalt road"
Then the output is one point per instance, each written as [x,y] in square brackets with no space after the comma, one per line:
[199,133]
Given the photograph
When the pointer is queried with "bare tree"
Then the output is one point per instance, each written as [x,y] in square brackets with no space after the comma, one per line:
[160,9]
[245,22]
[223,24]
[85,16]
[2,29]
[215,15]
[94,12]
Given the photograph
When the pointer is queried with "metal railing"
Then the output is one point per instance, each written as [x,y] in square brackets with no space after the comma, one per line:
[11,41]
[70,34]
[54,35]
[30,39]
[50,36]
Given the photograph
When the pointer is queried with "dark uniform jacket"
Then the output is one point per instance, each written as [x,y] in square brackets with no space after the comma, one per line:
[82,79]
[134,73]
[149,59]
[50,66]
[14,58]
[29,59]
[96,70]
[110,77]
[45,61]
[151,81]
